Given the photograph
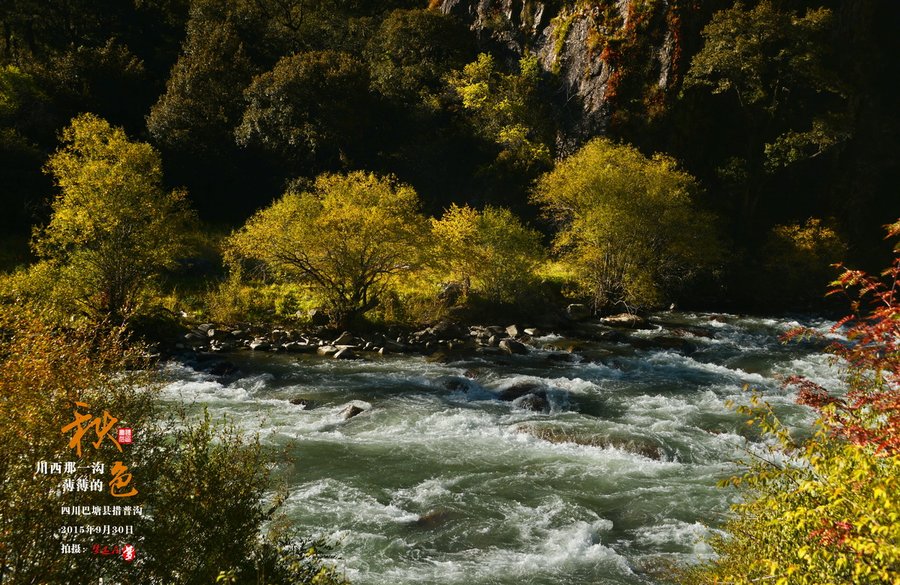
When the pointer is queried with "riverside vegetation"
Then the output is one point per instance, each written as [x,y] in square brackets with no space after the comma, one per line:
[208,174]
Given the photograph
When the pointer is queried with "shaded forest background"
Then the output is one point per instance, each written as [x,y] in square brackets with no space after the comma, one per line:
[471,102]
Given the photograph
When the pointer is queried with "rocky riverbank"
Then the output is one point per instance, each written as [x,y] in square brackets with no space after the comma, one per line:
[562,336]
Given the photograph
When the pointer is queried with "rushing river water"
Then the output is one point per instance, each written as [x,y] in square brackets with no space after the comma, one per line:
[439,482]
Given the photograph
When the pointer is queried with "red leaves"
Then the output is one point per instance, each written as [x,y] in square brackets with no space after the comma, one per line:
[832,533]
[870,412]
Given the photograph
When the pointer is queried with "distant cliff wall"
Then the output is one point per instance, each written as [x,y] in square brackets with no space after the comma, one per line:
[609,58]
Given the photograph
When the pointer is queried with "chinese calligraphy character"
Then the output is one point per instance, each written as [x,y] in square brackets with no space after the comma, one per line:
[121,479]
[101,428]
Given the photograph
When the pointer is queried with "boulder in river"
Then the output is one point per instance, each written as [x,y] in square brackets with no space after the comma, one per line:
[626,320]
[344,354]
[431,519]
[512,346]
[536,402]
[643,447]
[327,350]
[678,344]
[345,338]
[303,403]
[260,344]
[350,411]
[520,389]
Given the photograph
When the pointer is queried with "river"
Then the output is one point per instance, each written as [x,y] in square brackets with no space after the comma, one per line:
[440,482]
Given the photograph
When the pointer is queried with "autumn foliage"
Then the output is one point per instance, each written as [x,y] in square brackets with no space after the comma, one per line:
[826,510]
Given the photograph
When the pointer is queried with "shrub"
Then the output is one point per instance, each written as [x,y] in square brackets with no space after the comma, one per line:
[490,251]
[829,514]
[201,484]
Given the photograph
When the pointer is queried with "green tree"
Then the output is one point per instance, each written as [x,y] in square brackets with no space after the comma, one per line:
[309,107]
[23,115]
[506,109]
[489,251]
[347,237]
[797,260]
[203,100]
[114,228]
[413,51]
[627,224]
[774,65]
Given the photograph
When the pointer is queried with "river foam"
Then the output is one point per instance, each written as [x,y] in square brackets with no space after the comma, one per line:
[438,480]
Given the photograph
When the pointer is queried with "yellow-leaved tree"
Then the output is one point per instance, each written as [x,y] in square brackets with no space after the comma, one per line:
[114,227]
[490,251]
[347,236]
[628,226]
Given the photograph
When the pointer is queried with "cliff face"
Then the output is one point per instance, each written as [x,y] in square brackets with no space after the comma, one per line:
[607,58]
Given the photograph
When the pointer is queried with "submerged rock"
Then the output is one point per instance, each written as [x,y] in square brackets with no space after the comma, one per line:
[431,519]
[303,403]
[520,389]
[642,447]
[350,411]
[511,346]
[536,402]
[223,369]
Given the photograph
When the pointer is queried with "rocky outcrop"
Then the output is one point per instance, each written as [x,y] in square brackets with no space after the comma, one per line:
[644,447]
[592,49]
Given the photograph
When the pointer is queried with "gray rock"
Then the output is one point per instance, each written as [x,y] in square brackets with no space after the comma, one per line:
[344,354]
[626,320]
[519,390]
[217,334]
[351,411]
[260,344]
[327,350]
[534,402]
[514,331]
[303,403]
[511,346]
[345,338]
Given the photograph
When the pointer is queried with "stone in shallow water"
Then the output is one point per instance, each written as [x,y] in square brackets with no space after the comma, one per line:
[344,354]
[519,390]
[626,320]
[303,403]
[350,411]
[512,346]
